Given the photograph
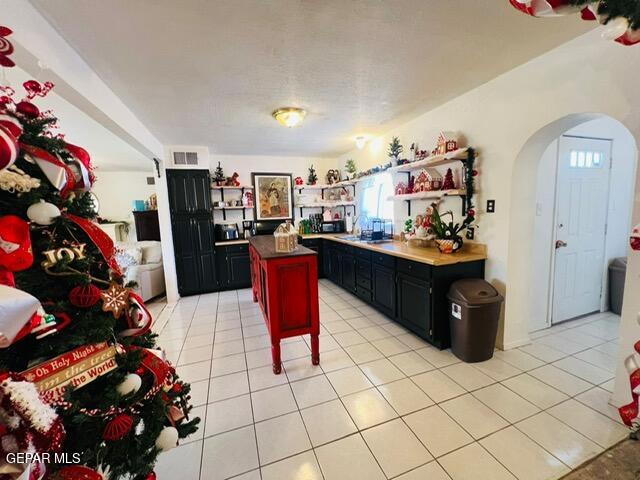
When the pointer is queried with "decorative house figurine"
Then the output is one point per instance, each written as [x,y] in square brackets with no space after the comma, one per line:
[299,181]
[447,142]
[429,179]
[286,237]
[401,188]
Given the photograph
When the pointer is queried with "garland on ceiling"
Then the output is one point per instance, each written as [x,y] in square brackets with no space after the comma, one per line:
[621,18]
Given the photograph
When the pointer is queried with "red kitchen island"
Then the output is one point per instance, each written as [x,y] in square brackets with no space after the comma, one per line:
[286,287]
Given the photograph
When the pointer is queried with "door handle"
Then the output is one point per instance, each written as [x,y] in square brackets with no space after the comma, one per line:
[560,244]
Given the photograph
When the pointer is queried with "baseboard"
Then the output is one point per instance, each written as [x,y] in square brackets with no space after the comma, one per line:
[516,344]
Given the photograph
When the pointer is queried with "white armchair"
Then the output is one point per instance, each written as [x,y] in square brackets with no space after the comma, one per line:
[142,263]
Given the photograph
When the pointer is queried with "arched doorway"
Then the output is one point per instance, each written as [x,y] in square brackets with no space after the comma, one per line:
[522,292]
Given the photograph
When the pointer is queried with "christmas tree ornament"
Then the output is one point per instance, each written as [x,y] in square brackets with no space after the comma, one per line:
[8,148]
[6,48]
[100,239]
[15,244]
[151,476]
[115,299]
[77,472]
[27,109]
[14,180]
[131,384]
[84,296]
[118,427]
[54,169]
[175,414]
[16,310]
[80,164]
[634,239]
[167,439]
[138,317]
[70,253]
[11,124]
[43,213]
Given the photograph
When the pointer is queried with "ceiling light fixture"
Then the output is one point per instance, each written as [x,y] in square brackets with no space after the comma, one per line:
[289,116]
[361,141]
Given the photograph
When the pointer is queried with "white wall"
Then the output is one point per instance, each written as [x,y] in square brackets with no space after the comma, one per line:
[116,192]
[623,170]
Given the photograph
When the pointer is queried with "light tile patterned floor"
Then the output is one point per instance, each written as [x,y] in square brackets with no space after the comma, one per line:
[383,404]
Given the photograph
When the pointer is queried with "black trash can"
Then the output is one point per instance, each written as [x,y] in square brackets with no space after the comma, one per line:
[473,316]
[617,272]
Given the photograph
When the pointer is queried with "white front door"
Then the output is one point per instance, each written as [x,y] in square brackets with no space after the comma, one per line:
[582,193]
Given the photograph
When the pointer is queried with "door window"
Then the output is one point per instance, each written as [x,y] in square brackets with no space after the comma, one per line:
[585,159]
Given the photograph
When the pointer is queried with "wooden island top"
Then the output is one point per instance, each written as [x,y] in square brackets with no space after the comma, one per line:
[265,245]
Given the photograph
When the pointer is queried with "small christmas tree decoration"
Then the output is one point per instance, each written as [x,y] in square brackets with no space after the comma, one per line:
[395,149]
[219,177]
[84,296]
[313,177]
[448,183]
[350,168]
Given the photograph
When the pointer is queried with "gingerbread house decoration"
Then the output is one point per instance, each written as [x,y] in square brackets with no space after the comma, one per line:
[401,188]
[286,238]
[447,142]
[429,179]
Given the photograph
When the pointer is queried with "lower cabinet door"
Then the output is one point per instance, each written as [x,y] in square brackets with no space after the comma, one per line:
[349,272]
[414,304]
[336,266]
[239,270]
[384,290]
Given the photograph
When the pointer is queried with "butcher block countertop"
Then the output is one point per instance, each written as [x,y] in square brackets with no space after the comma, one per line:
[471,252]
[265,245]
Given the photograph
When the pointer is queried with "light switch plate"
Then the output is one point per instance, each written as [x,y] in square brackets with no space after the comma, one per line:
[491,206]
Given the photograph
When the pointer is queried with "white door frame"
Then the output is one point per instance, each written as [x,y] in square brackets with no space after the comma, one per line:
[552,260]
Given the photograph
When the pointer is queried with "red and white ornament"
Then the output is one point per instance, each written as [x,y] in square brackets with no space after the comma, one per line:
[80,164]
[11,123]
[6,48]
[27,109]
[118,427]
[8,148]
[84,296]
[634,239]
[138,317]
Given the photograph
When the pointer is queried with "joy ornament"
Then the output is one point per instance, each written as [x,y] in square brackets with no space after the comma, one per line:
[71,253]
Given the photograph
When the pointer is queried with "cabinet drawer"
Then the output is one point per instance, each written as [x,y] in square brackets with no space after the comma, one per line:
[363,268]
[363,254]
[421,270]
[239,248]
[384,260]
[363,282]
[364,294]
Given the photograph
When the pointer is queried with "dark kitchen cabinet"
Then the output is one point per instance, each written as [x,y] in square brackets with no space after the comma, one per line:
[335,269]
[326,258]
[384,289]
[348,272]
[192,229]
[414,304]
[189,191]
[234,266]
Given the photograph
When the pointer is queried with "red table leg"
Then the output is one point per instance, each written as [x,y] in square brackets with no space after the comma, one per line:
[315,350]
[275,357]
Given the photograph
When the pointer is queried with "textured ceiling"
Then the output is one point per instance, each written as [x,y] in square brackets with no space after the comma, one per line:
[209,72]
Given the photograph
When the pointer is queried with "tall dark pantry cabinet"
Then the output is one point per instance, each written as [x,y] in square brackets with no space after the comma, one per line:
[192,227]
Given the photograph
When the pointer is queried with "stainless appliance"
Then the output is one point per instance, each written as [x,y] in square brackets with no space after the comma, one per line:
[226,231]
[333,226]
[247,228]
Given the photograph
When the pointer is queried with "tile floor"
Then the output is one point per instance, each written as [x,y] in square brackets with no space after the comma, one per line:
[383,404]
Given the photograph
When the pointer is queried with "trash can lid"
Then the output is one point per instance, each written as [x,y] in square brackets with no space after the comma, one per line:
[620,262]
[473,291]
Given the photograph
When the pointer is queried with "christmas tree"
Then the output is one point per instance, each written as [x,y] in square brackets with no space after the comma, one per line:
[313,177]
[350,167]
[219,177]
[80,370]
[448,183]
[395,149]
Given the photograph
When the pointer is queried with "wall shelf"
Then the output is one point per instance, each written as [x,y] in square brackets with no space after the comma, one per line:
[459,155]
[429,194]
[233,208]
[225,187]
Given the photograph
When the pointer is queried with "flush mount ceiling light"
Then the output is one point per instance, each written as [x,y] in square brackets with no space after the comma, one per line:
[289,116]
[361,141]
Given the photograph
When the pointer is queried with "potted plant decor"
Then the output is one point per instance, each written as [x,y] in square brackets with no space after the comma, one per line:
[448,238]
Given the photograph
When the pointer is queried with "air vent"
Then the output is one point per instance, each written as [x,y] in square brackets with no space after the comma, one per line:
[151,181]
[189,157]
[185,158]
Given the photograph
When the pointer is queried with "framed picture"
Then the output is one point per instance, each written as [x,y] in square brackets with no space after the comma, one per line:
[273,196]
